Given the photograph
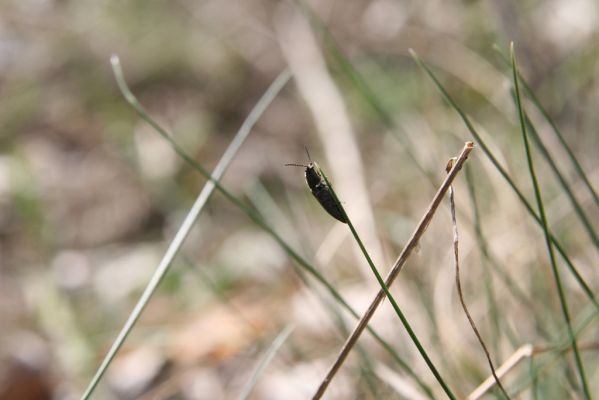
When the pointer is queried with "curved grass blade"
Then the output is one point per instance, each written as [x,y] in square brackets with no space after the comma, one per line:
[190,218]
[266,359]
[538,196]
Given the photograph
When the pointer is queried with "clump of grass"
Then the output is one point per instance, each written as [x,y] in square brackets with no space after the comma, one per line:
[540,218]
[503,172]
[303,266]
[539,199]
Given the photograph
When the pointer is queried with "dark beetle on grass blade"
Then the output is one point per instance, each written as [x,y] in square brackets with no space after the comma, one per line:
[320,189]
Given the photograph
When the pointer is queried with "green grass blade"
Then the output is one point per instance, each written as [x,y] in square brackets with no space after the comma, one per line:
[563,142]
[537,103]
[538,196]
[365,359]
[270,209]
[557,348]
[362,87]
[189,220]
[204,278]
[485,256]
[579,279]
[258,220]
[266,359]
[584,219]
[488,258]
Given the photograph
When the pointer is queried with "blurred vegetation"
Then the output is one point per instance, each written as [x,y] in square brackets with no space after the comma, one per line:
[90,195]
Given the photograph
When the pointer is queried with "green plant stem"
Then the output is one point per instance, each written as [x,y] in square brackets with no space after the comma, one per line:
[561,345]
[556,275]
[489,290]
[584,219]
[497,269]
[563,142]
[537,103]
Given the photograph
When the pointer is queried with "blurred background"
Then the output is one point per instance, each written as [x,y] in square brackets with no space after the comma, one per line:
[90,195]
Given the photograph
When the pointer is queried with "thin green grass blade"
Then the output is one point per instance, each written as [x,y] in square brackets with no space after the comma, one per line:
[264,362]
[577,276]
[563,142]
[534,381]
[191,217]
[258,220]
[557,348]
[516,291]
[390,297]
[584,219]
[268,207]
[362,87]
[204,278]
[489,289]
[539,198]
[373,382]
[537,103]
[365,360]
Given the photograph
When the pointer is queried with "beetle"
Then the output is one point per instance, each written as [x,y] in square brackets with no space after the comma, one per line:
[320,189]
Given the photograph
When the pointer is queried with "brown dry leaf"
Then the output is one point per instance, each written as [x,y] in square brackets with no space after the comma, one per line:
[220,332]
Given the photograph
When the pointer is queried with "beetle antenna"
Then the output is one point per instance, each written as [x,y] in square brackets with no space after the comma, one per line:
[296,165]
[310,159]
